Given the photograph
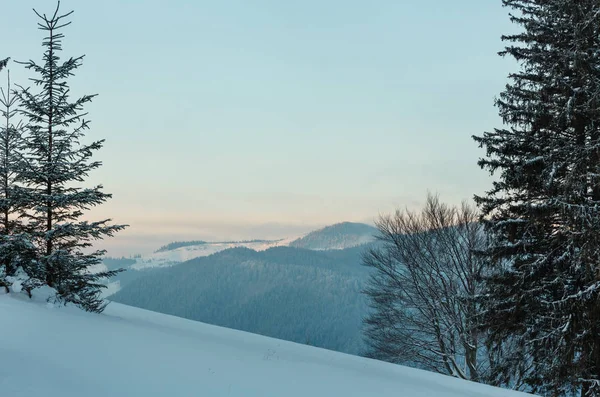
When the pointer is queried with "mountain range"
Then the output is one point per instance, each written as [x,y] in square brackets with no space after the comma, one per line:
[339,236]
[275,288]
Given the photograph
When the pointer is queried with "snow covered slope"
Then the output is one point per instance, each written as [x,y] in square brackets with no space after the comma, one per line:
[182,254]
[56,351]
[335,237]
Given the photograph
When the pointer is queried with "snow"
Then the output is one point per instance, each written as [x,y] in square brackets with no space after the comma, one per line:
[53,351]
[335,237]
[182,254]
[111,288]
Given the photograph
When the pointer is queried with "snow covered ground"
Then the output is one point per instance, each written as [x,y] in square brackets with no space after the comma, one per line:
[56,351]
[182,254]
[334,237]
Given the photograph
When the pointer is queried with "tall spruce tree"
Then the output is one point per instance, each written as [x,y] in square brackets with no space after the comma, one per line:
[543,212]
[16,250]
[57,164]
[11,147]
[6,132]
[11,156]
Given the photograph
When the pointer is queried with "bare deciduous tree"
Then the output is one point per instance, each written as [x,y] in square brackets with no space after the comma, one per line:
[423,288]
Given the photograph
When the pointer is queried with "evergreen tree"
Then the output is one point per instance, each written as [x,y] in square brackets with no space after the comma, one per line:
[11,148]
[543,212]
[3,267]
[16,249]
[3,63]
[57,164]
[10,162]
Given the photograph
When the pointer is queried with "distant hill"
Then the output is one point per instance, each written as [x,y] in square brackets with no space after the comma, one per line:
[300,295]
[117,263]
[181,244]
[338,236]
[181,251]
[335,237]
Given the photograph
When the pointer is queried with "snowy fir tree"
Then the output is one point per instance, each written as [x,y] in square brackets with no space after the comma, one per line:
[56,165]
[16,250]
[543,212]
[11,151]
[6,113]
[3,63]
[11,156]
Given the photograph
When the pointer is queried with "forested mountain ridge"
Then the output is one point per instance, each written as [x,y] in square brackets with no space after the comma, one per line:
[300,295]
[339,236]
[334,237]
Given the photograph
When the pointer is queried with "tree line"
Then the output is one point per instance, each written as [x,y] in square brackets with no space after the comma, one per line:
[45,241]
[508,293]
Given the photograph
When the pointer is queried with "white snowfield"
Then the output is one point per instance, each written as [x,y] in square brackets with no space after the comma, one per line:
[182,254]
[61,351]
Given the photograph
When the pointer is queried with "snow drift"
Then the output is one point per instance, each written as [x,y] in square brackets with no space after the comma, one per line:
[61,351]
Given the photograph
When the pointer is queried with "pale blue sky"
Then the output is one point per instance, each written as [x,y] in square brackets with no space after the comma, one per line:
[252,119]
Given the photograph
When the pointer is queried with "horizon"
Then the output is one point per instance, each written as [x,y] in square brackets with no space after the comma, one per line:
[301,232]
[272,120]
